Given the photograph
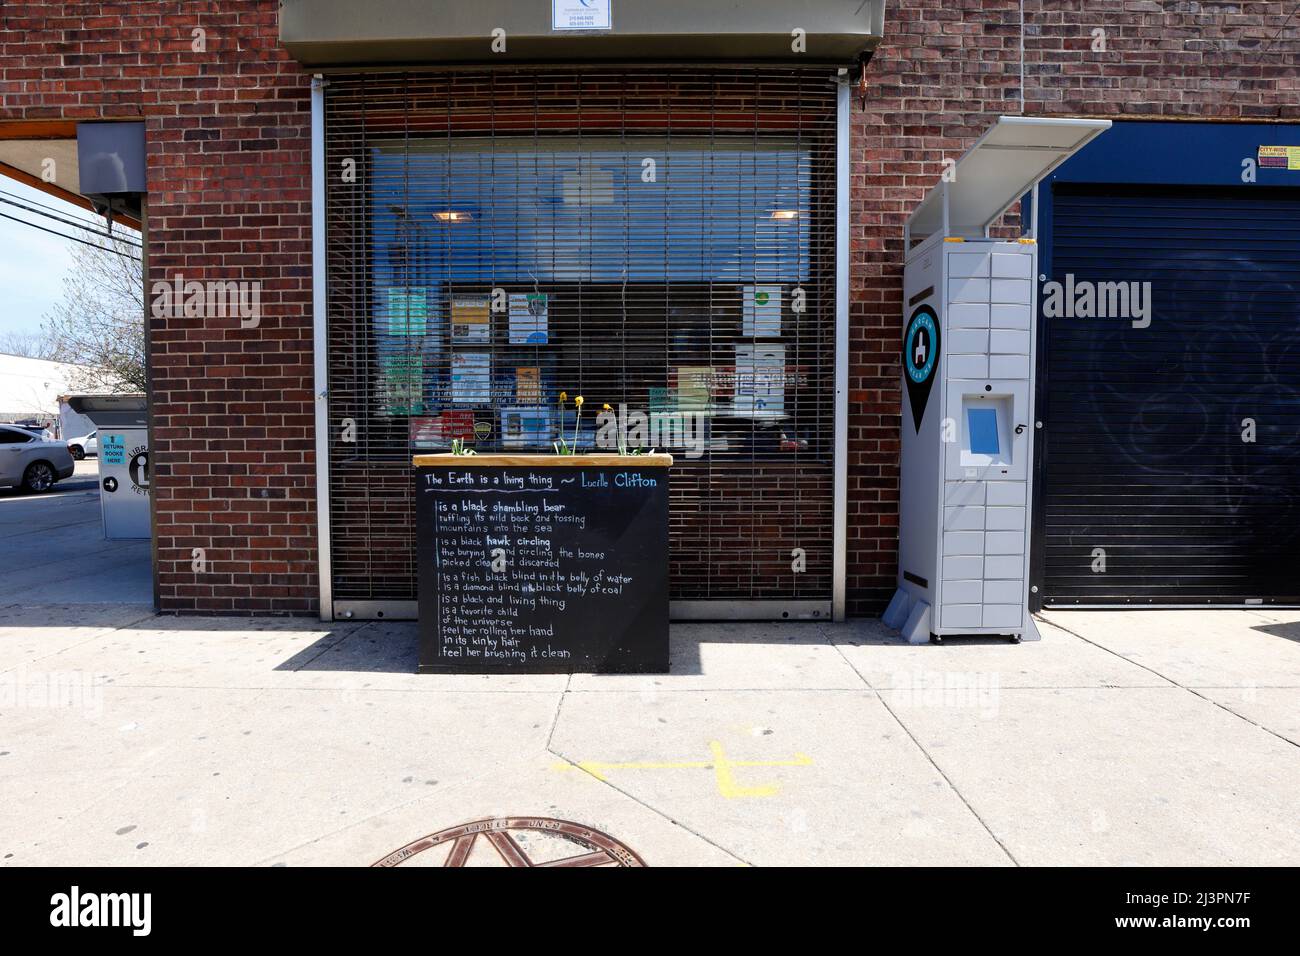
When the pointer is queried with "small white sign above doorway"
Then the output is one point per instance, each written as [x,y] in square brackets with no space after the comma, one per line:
[581,15]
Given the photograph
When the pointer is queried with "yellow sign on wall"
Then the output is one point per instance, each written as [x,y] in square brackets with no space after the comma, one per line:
[1279,157]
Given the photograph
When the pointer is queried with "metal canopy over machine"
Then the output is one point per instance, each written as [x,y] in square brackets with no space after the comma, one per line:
[968,377]
[1010,159]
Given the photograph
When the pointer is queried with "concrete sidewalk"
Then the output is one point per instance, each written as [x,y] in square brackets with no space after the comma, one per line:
[1148,738]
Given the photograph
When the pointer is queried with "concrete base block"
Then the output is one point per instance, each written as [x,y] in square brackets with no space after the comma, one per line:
[917,628]
[895,615]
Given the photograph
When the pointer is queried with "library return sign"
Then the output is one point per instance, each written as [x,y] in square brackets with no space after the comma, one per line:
[543,564]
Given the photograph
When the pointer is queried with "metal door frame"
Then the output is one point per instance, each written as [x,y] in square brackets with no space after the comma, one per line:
[843,168]
[320,350]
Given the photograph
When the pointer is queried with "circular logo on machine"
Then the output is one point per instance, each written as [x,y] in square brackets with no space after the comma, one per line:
[110,484]
[516,841]
[139,470]
[920,358]
[921,345]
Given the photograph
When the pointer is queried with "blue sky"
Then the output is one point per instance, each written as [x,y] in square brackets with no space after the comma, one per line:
[32,263]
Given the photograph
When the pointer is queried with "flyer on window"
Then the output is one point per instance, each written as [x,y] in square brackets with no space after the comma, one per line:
[407,312]
[762,311]
[438,431]
[528,318]
[471,320]
[760,381]
[528,385]
[400,384]
[526,427]
[471,378]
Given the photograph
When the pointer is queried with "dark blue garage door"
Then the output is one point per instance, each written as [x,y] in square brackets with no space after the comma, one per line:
[1153,491]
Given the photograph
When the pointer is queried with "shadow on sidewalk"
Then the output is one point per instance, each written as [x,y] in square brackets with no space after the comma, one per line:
[393,646]
[374,647]
[1289,630]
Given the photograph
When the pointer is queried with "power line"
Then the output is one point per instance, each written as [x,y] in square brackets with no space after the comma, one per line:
[84,242]
[90,221]
[73,223]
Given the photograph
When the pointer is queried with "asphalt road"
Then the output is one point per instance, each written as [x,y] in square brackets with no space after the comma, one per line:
[52,548]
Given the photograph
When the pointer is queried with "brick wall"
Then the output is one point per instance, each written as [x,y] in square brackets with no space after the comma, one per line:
[228,171]
[228,140]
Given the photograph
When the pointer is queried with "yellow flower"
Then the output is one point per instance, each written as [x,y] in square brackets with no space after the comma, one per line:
[606,407]
[564,396]
[578,401]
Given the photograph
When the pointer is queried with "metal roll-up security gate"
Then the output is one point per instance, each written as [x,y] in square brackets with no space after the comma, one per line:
[662,242]
[1172,450]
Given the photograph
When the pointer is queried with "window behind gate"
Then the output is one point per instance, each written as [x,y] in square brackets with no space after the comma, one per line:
[660,244]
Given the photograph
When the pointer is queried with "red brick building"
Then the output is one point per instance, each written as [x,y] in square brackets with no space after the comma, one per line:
[228,123]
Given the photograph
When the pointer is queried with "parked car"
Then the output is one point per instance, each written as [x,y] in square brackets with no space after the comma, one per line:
[32,461]
[36,428]
[83,446]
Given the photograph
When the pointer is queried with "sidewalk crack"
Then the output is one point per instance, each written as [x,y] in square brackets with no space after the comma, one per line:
[925,753]
[653,809]
[555,722]
[1191,690]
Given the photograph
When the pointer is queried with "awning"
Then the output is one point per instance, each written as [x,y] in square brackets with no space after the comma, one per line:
[321,33]
[1009,160]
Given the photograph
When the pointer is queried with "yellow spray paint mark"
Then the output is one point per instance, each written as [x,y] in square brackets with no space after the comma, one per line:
[721,765]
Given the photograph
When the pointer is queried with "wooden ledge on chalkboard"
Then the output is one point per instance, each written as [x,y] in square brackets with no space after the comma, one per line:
[495,460]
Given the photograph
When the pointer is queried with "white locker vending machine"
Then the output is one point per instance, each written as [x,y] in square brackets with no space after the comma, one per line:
[969,322]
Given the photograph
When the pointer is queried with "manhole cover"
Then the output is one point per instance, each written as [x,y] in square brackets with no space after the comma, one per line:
[515,841]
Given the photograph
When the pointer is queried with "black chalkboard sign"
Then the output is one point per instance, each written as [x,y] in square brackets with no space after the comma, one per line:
[543,568]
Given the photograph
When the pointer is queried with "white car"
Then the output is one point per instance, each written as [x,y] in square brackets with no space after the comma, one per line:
[85,445]
[32,461]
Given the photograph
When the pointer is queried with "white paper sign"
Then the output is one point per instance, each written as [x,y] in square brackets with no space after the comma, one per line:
[762,311]
[760,381]
[581,15]
[528,318]
[471,378]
